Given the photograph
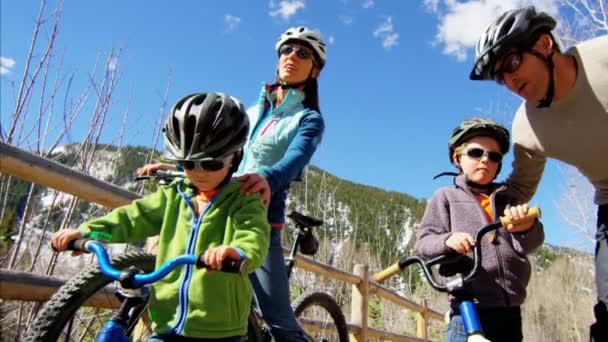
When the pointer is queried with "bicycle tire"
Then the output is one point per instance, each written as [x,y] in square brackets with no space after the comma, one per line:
[326,302]
[61,307]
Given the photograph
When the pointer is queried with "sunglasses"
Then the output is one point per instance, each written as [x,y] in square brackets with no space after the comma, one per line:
[211,165]
[510,63]
[478,153]
[301,52]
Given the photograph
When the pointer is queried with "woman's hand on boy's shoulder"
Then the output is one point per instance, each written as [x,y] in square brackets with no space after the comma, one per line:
[252,183]
[518,212]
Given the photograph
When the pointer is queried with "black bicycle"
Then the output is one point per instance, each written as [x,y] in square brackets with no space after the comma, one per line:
[456,286]
[318,313]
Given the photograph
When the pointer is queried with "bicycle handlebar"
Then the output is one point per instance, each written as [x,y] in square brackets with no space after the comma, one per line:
[138,280]
[161,175]
[404,262]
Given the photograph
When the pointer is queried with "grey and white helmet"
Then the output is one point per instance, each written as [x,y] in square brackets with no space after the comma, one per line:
[512,29]
[310,38]
[205,126]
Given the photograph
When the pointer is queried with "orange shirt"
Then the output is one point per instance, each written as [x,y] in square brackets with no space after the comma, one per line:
[202,198]
[486,204]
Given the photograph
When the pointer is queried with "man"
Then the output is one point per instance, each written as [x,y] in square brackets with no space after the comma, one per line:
[564,114]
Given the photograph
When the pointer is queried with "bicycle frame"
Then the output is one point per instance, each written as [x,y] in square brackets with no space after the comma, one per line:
[455,286]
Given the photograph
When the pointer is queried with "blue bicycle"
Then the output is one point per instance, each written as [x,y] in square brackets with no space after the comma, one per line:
[66,307]
[456,285]
[134,271]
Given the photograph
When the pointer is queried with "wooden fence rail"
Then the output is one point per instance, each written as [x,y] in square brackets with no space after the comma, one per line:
[34,287]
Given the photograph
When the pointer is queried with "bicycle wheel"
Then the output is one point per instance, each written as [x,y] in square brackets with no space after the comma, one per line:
[65,308]
[321,317]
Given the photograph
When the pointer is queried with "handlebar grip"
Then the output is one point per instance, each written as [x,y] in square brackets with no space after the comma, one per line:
[79,245]
[533,213]
[387,273]
[228,265]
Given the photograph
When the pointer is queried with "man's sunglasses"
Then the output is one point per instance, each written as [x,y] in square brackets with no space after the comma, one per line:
[207,165]
[510,63]
[478,153]
[301,52]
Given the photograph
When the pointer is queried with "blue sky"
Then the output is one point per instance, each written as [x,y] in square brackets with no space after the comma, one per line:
[394,86]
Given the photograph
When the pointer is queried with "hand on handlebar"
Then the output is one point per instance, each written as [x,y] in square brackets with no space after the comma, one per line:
[517,213]
[215,256]
[461,242]
[62,238]
[151,168]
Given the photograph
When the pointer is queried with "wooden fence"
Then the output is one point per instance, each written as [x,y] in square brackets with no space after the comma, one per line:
[34,287]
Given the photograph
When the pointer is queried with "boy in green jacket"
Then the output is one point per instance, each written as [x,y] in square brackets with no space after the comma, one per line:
[205,212]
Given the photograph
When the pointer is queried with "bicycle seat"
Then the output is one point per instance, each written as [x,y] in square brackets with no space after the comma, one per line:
[302,220]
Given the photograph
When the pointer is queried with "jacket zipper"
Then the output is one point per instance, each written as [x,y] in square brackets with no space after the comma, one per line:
[182,310]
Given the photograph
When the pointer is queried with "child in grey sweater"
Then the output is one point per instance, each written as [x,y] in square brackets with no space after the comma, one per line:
[453,216]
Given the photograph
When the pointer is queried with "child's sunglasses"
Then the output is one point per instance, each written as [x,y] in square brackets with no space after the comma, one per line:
[510,63]
[302,53]
[478,153]
[207,165]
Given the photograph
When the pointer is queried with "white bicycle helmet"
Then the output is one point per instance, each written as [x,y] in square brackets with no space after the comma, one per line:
[309,38]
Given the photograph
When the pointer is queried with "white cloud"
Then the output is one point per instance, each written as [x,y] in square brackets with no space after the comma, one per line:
[331,40]
[367,3]
[461,23]
[6,64]
[286,8]
[386,33]
[232,22]
[432,5]
[346,19]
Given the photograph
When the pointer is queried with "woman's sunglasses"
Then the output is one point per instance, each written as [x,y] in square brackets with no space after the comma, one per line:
[207,165]
[301,52]
[510,63]
[478,153]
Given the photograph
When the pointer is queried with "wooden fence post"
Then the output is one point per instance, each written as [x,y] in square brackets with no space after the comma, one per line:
[360,303]
[421,322]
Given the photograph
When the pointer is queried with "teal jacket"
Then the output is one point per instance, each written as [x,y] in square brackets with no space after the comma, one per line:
[188,301]
[282,140]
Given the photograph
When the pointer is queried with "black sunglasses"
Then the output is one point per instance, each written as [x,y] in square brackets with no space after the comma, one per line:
[207,165]
[510,63]
[478,153]
[301,52]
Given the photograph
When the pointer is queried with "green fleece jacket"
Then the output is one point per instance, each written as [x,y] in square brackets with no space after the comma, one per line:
[188,301]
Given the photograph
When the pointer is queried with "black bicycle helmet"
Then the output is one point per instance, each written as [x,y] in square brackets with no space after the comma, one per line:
[512,29]
[205,126]
[474,127]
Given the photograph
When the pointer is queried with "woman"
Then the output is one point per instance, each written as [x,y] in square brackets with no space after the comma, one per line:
[286,127]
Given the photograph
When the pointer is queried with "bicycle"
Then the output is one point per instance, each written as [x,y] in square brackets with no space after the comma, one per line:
[456,285]
[310,306]
[56,318]
[59,312]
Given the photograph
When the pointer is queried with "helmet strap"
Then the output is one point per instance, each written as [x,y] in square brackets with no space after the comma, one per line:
[546,101]
[479,188]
